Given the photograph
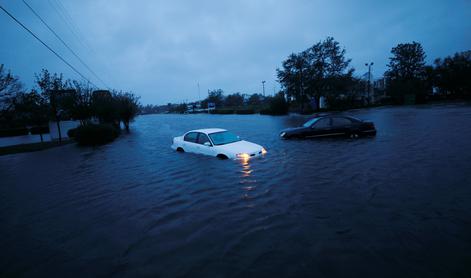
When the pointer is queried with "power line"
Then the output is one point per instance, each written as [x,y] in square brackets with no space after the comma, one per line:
[68,23]
[47,46]
[71,20]
[64,43]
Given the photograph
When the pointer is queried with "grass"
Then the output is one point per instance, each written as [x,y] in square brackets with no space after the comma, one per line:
[23,148]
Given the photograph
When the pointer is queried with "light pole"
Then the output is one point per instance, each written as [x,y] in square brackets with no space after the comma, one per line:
[369,80]
[199,95]
[263,86]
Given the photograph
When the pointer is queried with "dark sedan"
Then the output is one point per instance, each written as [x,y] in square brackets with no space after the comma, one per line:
[332,125]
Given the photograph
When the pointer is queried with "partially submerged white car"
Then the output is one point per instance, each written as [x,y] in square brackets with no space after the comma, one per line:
[217,142]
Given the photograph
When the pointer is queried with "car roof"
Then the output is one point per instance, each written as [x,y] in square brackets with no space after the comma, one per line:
[334,115]
[208,130]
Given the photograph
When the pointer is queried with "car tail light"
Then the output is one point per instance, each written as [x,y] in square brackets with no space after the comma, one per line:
[370,124]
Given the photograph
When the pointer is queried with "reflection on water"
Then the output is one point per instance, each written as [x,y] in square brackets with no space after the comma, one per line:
[391,206]
[248,181]
[246,171]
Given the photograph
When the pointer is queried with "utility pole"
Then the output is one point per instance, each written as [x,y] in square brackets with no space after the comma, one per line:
[199,95]
[263,86]
[369,80]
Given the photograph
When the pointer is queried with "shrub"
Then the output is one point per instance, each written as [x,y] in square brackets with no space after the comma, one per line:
[223,111]
[72,132]
[94,134]
[13,132]
[245,111]
[278,106]
[39,130]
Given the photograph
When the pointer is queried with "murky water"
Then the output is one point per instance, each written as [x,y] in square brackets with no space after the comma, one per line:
[398,205]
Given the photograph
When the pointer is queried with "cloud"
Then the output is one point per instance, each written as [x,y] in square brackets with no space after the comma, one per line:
[162,49]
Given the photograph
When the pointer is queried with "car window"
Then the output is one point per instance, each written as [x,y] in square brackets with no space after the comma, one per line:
[223,137]
[341,122]
[310,122]
[322,123]
[191,137]
[202,138]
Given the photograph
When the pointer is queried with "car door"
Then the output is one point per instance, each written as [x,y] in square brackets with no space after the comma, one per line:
[321,127]
[190,144]
[204,144]
[341,126]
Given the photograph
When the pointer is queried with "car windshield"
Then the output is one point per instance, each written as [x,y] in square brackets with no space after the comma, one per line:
[224,137]
[310,122]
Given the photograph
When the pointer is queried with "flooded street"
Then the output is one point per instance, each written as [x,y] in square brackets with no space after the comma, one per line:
[397,205]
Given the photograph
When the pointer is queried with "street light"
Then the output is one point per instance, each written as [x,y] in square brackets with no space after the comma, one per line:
[369,80]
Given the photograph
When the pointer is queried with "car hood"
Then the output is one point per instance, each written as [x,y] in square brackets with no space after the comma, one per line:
[241,147]
[294,129]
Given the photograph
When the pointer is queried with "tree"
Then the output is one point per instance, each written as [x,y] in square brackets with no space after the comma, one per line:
[81,108]
[177,108]
[51,87]
[234,100]
[10,86]
[216,97]
[329,71]
[103,106]
[291,77]
[453,74]
[277,105]
[406,73]
[349,98]
[127,106]
[255,100]
[319,70]
[32,110]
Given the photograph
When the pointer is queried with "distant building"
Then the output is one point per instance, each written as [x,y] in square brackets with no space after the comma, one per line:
[211,106]
[379,92]
[380,83]
[194,107]
[190,108]
[377,89]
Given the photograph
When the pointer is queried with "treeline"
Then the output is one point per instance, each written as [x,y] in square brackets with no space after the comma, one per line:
[236,103]
[409,77]
[57,99]
[323,71]
[321,77]
[245,104]
[234,100]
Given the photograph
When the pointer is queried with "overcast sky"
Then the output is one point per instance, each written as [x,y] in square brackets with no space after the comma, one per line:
[161,50]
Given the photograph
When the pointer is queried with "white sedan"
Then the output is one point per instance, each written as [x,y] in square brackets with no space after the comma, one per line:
[217,142]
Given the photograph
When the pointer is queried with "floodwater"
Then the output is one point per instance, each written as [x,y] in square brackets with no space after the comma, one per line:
[398,205]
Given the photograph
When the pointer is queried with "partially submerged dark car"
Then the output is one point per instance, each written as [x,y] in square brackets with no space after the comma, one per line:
[329,126]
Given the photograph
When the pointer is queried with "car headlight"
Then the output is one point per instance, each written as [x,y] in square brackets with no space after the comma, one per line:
[283,134]
[264,151]
[243,155]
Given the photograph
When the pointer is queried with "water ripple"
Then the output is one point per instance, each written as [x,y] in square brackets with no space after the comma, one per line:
[135,207]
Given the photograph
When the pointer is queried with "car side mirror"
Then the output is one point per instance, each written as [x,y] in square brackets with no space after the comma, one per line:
[207,144]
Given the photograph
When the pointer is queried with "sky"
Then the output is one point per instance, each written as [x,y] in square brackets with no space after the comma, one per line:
[161,50]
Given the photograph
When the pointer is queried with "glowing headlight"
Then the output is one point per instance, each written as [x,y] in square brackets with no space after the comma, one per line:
[282,134]
[243,155]
[264,151]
